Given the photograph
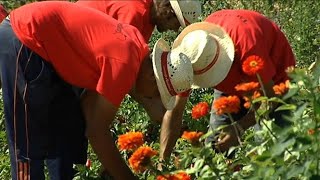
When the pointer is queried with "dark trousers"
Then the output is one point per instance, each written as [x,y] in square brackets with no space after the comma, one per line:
[43,116]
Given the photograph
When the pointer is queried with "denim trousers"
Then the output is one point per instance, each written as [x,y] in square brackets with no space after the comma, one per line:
[43,116]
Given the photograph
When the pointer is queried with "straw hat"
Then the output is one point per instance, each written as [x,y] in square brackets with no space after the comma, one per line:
[187,11]
[173,72]
[211,51]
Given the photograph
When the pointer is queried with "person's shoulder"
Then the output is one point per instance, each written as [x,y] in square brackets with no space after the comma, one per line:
[136,5]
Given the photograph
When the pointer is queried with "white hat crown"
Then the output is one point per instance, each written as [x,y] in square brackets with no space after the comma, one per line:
[211,51]
[201,48]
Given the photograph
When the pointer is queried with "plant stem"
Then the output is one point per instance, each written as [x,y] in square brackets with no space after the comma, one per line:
[316,127]
[235,128]
[272,134]
[262,85]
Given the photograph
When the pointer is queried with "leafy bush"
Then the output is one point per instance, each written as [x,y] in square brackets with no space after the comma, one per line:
[269,153]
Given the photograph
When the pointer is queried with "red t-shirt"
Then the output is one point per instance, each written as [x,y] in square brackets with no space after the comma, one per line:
[86,48]
[3,13]
[134,12]
[253,34]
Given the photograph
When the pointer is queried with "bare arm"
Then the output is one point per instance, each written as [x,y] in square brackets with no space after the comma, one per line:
[99,113]
[153,106]
[171,126]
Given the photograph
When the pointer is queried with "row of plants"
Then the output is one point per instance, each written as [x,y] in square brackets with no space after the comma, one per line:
[265,151]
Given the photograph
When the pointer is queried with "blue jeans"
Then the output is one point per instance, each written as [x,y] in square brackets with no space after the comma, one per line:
[43,116]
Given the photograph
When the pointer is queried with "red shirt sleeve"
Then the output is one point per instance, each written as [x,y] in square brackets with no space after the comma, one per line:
[3,13]
[116,79]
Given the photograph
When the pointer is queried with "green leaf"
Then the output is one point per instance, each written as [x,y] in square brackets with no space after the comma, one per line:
[316,106]
[291,93]
[294,171]
[284,107]
[298,113]
[206,171]
[276,99]
[259,99]
[263,157]
[316,69]
[279,148]
[198,164]
[304,140]
[231,150]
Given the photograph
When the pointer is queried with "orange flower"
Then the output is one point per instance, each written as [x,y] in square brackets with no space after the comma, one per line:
[248,100]
[200,110]
[252,65]
[193,136]
[178,176]
[230,104]
[311,131]
[247,104]
[256,94]
[246,87]
[130,141]
[281,88]
[141,158]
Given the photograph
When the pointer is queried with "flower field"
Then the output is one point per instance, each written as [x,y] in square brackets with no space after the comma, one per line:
[265,151]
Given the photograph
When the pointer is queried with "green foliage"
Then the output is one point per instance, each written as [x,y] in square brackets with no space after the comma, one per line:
[269,153]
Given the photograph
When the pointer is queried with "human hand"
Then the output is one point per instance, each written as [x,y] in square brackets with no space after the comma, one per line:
[228,137]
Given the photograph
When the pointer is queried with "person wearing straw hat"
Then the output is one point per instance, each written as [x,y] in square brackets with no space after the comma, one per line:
[46,53]
[217,48]
[146,15]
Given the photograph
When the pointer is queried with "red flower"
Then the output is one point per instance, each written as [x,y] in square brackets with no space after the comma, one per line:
[178,176]
[230,104]
[200,110]
[141,158]
[193,136]
[130,141]
[281,88]
[252,65]
[247,87]
[88,163]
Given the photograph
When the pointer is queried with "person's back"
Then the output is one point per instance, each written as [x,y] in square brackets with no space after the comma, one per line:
[48,51]
[136,13]
[253,34]
[91,50]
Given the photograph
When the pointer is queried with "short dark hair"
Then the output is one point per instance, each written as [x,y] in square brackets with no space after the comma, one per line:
[163,6]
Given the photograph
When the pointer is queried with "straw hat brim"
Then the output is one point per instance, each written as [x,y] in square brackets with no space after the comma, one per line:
[158,49]
[177,10]
[224,62]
